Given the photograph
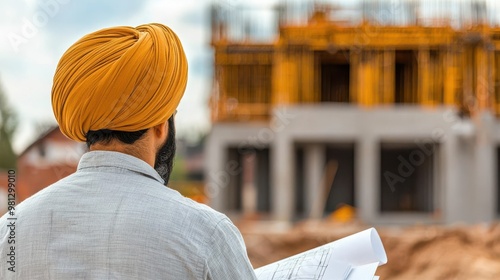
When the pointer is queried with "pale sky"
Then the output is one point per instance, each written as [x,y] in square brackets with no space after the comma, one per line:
[35,33]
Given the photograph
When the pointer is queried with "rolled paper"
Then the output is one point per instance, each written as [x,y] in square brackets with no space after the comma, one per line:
[361,248]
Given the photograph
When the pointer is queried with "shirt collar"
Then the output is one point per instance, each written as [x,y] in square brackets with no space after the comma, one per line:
[95,159]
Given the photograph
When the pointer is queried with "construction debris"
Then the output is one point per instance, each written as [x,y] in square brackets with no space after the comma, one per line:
[418,252]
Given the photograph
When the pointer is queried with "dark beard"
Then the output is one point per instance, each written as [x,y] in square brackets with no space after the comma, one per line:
[165,156]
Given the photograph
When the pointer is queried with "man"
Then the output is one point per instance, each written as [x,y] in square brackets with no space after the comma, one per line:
[117,89]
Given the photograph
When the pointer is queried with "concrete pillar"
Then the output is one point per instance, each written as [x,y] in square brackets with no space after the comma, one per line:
[314,190]
[459,172]
[216,178]
[282,174]
[367,169]
[484,188]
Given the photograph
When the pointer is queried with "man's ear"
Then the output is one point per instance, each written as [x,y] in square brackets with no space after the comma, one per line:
[160,133]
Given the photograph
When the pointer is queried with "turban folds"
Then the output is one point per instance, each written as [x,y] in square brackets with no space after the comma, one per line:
[120,78]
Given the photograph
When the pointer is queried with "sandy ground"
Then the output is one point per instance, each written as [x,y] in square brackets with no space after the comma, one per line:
[419,252]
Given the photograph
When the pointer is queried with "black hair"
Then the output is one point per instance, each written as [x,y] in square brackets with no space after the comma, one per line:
[106,135]
[164,162]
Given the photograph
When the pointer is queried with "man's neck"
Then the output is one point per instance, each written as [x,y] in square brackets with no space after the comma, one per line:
[136,150]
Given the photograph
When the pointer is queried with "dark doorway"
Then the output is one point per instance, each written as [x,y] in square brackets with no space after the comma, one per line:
[405,80]
[337,179]
[335,83]
[248,167]
[335,76]
[341,157]
[407,177]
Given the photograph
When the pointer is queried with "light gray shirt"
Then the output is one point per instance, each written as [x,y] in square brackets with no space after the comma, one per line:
[114,219]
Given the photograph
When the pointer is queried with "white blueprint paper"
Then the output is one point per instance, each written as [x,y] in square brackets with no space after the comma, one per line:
[332,261]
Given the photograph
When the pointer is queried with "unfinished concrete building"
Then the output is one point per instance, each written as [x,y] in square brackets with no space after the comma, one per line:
[383,108]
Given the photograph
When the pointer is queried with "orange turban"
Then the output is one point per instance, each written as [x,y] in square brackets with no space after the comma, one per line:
[120,78]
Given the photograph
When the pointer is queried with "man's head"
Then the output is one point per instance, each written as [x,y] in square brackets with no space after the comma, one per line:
[118,88]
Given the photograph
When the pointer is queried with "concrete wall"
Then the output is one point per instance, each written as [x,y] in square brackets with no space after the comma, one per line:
[465,183]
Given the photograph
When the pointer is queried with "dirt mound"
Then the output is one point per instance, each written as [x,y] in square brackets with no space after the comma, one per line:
[419,252]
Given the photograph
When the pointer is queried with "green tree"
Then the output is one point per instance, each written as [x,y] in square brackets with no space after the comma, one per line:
[8,125]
